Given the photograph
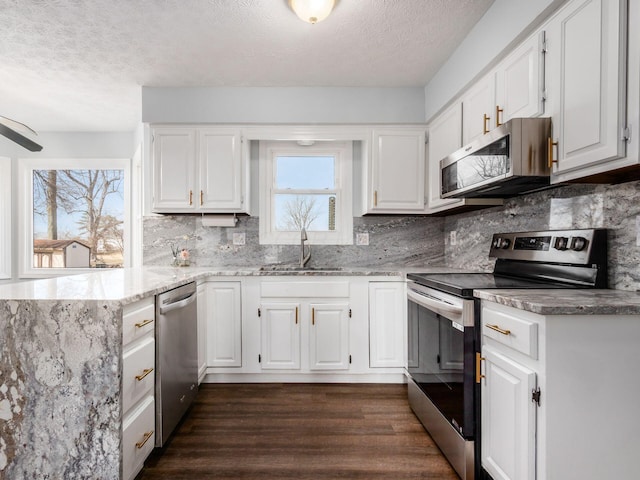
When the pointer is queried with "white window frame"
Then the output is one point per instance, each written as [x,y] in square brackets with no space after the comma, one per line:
[343,153]
[5,218]
[26,166]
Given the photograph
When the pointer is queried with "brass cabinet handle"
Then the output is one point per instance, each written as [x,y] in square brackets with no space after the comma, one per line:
[201,198]
[499,330]
[485,119]
[190,197]
[498,112]
[313,316]
[479,360]
[142,324]
[375,198]
[144,373]
[550,145]
[296,315]
[147,436]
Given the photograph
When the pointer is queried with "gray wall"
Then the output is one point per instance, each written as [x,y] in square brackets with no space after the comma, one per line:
[282,105]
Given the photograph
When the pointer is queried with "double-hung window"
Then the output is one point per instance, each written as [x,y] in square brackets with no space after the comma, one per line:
[74,215]
[306,186]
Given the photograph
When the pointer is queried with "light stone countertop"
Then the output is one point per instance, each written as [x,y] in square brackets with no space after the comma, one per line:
[566,302]
[127,285]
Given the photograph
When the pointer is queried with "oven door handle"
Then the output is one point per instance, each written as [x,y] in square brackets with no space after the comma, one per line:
[437,306]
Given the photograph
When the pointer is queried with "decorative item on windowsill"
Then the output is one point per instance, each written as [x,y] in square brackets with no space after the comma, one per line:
[180,257]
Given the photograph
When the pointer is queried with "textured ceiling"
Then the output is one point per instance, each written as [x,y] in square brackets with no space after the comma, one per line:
[77,65]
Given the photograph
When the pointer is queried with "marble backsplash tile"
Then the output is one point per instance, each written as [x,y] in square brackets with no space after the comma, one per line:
[393,241]
[615,207]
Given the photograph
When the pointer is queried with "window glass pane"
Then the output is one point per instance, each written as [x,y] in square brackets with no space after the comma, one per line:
[78,218]
[313,212]
[309,172]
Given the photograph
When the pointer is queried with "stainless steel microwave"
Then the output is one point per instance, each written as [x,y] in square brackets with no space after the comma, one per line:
[510,160]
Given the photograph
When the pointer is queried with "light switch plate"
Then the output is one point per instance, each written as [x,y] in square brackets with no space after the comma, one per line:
[239,238]
[362,239]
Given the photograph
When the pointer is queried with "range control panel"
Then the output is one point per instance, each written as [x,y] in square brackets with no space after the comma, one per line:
[553,246]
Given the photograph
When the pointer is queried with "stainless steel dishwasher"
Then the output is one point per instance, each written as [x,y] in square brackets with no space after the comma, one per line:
[176,357]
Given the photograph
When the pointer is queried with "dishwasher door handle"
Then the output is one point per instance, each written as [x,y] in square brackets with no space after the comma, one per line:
[180,304]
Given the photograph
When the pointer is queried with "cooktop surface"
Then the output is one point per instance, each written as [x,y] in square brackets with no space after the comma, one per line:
[463,284]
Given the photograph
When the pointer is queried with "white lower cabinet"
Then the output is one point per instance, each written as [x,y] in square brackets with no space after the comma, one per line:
[304,325]
[558,394]
[387,324]
[508,418]
[223,324]
[138,385]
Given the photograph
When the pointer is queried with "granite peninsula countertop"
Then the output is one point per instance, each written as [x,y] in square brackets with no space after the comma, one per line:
[566,302]
[127,285]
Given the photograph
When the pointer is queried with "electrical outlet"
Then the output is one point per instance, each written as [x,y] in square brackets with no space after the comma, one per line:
[362,239]
[452,237]
[239,238]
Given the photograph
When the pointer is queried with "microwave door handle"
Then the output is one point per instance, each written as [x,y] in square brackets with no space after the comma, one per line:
[437,306]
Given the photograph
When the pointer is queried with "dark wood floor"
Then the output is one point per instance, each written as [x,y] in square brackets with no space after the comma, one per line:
[299,431]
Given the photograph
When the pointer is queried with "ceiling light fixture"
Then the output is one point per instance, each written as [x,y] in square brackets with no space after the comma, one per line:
[312,11]
[17,132]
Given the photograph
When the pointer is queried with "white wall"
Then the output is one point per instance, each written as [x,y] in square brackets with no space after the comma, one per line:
[282,105]
[505,24]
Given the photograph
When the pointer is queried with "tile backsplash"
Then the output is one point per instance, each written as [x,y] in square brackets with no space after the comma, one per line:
[417,241]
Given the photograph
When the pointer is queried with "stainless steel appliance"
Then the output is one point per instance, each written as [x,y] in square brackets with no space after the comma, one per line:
[176,357]
[509,160]
[444,334]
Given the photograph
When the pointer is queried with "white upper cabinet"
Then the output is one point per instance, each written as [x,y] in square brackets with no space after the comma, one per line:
[198,170]
[520,82]
[586,50]
[478,104]
[174,161]
[397,171]
[220,175]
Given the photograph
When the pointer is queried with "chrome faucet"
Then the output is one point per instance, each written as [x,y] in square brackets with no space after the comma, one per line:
[304,258]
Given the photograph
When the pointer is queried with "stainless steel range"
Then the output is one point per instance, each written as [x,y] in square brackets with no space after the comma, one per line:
[444,337]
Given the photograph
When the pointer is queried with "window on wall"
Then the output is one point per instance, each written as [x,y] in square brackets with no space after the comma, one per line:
[74,215]
[305,186]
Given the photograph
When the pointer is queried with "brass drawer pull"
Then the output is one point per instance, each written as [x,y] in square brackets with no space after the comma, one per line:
[142,324]
[144,373]
[313,316]
[485,124]
[375,198]
[147,436]
[201,198]
[190,197]
[499,330]
[498,112]
[296,315]
[550,145]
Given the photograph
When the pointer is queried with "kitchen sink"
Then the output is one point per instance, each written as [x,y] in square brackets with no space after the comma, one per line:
[296,268]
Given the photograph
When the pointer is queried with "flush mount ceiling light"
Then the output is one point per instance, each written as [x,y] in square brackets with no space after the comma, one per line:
[17,132]
[312,11]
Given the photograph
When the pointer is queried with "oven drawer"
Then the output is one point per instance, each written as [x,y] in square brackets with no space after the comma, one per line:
[508,329]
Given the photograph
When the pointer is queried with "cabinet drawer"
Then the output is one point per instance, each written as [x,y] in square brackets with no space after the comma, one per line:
[138,365]
[138,319]
[517,333]
[138,437]
[304,289]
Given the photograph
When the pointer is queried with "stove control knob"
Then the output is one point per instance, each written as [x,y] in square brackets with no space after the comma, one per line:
[578,243]
[500,242]
[561,243]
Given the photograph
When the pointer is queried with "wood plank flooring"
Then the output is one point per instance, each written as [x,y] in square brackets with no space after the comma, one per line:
[299,431]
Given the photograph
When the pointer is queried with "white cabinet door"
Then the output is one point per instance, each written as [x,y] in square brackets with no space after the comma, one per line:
[397,171]
[220,172]
[520,82]
[477,109]
[329,336]
[387,320]
[508,418]
[224,324]
[586,83]
[445,137]
[280,335]
[174,160]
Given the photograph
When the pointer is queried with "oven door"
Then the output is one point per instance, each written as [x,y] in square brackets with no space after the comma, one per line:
[441,353]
